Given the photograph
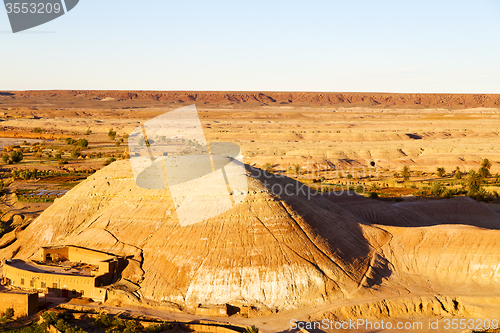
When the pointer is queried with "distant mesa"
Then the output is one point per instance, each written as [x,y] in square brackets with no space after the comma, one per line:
[281,99]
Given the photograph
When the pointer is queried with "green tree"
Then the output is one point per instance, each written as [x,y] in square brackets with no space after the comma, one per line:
[83,143]
[70,141]
[437,189]
[111,134]
[486,164]
[474,181]
[458,174]
[484,170]
[441,172]
[16,156]
[5,158]
[405,173]
[75,153]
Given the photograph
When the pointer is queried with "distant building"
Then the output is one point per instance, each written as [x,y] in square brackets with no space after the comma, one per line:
[65,271]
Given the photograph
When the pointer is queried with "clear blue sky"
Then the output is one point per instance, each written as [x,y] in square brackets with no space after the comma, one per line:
[347,45]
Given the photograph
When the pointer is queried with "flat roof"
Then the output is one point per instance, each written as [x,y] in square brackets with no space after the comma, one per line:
[47,269]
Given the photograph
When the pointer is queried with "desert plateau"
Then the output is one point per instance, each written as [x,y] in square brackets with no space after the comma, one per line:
[365,209]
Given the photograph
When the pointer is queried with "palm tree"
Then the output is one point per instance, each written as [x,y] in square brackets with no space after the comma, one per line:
[441,171]
[486,164]
[474,181]
[406,173]
[484,170]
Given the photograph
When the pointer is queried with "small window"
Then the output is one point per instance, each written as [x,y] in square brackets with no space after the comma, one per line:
[32,283]
[54,285]
[22,281]
[81,292]
[43,285]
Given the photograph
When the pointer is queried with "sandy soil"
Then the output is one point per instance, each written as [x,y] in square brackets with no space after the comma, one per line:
[447,130]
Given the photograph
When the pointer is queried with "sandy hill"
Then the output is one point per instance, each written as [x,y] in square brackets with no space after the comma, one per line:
[277,250]
[269,250]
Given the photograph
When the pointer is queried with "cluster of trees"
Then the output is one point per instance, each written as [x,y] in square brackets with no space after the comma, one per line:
[483,171]
[473,181]
[81,143]
[27,174]
[13,157]
[60,321]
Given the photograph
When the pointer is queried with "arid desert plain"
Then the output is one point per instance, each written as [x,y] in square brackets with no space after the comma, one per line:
[390,214]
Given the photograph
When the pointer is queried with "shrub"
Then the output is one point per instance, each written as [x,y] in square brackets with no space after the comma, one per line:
[441,171]
[405,173]
[83,143]
[251,329]
[50,317]
[70,141]
[437,189]
[61,325]
[373,195]
[38,130]
[75,153]
[486,164]
[9,313]
[103,320]
[458,174]
[157,328]
[483,172]
[16,156]
[25,174]
[5,158]
[111,134]
[109,161]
